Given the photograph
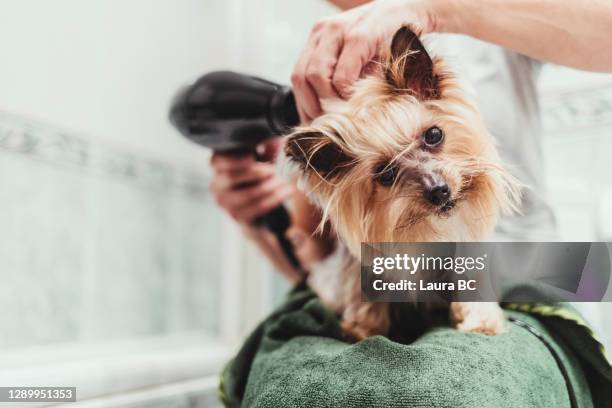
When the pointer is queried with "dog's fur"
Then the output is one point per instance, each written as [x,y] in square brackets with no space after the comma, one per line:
[347,156]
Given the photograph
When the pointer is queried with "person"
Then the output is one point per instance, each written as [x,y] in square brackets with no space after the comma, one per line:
[497,45]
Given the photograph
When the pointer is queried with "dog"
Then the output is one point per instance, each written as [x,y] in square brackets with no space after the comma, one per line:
[407,158]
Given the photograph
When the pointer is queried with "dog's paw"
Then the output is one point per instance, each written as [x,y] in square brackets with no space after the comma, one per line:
[354,332]
[484,318]
[362,320]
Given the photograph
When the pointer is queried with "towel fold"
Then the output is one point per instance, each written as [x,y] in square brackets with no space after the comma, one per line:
[298,357]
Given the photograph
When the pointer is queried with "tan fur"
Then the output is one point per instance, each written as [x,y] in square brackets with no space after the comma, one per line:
[382,125]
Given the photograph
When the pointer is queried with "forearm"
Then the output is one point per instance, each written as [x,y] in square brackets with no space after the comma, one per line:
[347,4]
[310,246]
[268,245]
[575,33]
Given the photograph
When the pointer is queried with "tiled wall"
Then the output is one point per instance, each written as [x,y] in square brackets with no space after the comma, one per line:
[97,243]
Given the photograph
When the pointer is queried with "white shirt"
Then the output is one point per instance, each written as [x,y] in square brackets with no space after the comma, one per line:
[506,93]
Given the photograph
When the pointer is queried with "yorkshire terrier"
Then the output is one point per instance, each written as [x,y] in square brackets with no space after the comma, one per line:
[407,158]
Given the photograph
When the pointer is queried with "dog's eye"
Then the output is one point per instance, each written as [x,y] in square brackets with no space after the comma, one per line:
[433,136]
[385,175]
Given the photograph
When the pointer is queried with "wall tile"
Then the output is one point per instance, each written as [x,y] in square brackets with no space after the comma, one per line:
[97,243]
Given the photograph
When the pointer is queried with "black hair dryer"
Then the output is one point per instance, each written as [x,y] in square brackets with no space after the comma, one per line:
[232,112]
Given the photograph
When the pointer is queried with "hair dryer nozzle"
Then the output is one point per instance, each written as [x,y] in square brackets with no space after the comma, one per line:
[224,110]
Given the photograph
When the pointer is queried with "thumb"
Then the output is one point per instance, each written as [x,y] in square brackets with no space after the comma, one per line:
[268,150]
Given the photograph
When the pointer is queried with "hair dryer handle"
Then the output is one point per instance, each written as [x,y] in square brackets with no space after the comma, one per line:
[278,221]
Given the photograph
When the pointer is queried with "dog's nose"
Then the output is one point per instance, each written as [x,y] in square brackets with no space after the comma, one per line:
[438,194]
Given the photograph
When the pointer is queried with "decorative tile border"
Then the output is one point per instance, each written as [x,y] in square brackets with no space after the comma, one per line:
[562,114]
[43,143]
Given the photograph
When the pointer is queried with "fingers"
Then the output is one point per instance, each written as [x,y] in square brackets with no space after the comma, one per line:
[305,96]
[355,55]
[224,162]
[333,59]
[268,151]
[321,66]
[247,189]
[264,205]
[312,75]
[238,198]
[246,204]
[228,180]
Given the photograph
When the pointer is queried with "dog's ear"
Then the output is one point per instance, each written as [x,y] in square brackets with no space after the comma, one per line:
[409,68]
[316,151]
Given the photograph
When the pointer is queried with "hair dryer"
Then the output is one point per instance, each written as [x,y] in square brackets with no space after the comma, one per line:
[231,112]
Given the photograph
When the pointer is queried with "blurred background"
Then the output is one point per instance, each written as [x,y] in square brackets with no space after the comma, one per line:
[117,273]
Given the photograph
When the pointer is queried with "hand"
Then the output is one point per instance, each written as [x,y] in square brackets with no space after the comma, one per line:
[340,47]
[247,188]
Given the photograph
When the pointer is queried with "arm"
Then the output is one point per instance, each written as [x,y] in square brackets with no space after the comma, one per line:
[575,33]
[246,189]
[310,246]
[348,4]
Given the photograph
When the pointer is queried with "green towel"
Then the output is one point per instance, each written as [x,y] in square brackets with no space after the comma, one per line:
[297,357]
